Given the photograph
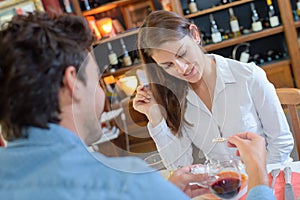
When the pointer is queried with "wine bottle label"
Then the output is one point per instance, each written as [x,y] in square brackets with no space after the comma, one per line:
[298,12]
[269,2]
[274,21]
[257,26]
[244,57]
[113,59]
[127,61]
[216,37]
[193,7]
[234,24]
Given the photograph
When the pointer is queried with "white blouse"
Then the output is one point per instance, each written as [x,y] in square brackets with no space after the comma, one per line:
[244,100]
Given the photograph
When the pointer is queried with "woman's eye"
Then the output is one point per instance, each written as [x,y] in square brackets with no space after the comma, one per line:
[183,54]
[168,66]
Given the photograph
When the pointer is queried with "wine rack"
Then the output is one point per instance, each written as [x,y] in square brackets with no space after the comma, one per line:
[244,38]
[285,30]
[218,8]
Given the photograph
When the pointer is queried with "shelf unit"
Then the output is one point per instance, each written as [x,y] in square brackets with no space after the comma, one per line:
[118,36]
[285,29]
[282,29]
[279,73]
[107,7]
[244,38]
[288,28]
[291,38]
[122,71]
[218,8]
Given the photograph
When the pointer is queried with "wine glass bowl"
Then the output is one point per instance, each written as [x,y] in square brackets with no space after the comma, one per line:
[224,176]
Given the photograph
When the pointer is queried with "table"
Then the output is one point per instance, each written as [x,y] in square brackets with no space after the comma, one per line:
[295,166]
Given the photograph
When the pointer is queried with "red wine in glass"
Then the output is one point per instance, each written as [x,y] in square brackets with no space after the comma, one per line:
[226,188]
[227,185]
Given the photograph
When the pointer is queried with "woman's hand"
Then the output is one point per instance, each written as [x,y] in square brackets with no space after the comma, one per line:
[182,179]
[145,103]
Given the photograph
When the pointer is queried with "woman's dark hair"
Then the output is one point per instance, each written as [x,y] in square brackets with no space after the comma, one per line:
[158,28]
[35,51]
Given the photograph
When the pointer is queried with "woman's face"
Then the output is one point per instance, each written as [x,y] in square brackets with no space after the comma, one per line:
[182,59]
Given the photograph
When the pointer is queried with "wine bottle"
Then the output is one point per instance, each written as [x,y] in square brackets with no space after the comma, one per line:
[234,24]
[267,57]
[215,33]
[113,58]
[256,23]
[67,6]
[192,6]
[126,58]
[273,18]
[258,59]
[84,5]
[274,54]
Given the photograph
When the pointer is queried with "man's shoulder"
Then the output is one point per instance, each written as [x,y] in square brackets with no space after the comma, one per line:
[140,180]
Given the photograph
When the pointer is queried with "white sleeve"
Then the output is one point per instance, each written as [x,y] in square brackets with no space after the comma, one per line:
[278,136]
[175,151]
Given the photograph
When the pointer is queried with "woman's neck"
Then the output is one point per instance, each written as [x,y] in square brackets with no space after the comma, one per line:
[209,75]
[205,87]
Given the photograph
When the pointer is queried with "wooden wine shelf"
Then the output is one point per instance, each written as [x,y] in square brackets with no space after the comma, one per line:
[122,70]
[279,73]
[107,7]
[244,38]
[277,64]
[118,36]
[217,8]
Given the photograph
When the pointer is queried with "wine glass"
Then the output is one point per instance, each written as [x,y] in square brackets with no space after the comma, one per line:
[221,174]
[224,177]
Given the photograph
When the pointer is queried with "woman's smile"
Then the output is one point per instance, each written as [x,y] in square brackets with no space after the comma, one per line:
[189,72]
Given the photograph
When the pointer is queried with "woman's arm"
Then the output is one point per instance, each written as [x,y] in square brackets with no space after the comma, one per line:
[174,151]
[278,136]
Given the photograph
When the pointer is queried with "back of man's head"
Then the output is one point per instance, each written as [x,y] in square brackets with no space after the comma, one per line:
[35,51]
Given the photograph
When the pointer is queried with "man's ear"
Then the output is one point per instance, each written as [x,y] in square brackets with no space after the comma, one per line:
[195,33]
[69,81]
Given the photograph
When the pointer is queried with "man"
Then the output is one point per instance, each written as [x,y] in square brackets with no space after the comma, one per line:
[51,103]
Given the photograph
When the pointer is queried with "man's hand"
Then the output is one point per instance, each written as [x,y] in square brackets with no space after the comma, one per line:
[183,176]
[252,150]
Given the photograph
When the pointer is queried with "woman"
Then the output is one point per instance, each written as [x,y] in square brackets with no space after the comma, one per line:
[195,97]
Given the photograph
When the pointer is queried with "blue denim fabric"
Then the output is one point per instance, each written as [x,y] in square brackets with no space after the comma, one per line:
[261,192]
[55,164]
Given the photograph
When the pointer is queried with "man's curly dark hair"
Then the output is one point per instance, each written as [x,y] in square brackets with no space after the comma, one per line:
[35,50]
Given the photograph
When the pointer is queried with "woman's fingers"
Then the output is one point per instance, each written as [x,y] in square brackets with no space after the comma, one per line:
[142,91]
